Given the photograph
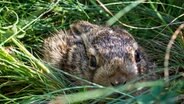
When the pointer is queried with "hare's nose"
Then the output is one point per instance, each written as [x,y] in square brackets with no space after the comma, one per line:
[117,80]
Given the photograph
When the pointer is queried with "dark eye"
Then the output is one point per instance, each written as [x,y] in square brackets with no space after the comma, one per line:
[137,56]
[93,62]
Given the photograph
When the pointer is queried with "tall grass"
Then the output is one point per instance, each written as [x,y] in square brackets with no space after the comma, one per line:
[25,78]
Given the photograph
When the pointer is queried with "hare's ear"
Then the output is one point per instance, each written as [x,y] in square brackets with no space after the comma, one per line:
[81,27]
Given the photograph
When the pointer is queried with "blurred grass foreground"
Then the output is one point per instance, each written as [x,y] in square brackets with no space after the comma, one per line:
[157,25]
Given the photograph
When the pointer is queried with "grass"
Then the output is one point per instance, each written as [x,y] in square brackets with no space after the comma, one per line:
[25,78]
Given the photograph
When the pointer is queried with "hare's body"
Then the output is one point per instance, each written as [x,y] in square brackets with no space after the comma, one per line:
[103,55]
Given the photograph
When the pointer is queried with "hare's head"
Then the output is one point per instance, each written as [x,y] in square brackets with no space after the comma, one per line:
[113,54]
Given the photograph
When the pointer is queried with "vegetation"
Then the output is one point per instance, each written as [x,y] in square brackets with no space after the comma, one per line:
[26,79]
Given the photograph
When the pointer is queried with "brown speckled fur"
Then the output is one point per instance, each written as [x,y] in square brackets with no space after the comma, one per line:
[103,55]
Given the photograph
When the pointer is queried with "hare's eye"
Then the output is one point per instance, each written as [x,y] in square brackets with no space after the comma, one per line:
[93,61]
[137,56]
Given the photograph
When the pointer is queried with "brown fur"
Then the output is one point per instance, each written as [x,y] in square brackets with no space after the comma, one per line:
[103,55]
